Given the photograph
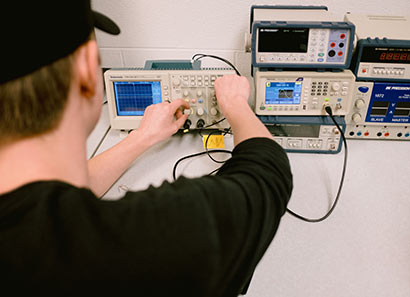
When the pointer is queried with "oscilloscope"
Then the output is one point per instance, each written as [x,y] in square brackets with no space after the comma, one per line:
[130,91]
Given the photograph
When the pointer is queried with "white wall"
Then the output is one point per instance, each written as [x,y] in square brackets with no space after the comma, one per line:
[166,29]
[363,250]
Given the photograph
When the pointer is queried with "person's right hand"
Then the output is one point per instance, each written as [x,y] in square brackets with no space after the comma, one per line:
[162,120]
[231,92]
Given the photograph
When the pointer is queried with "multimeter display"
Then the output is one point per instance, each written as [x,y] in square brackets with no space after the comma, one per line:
[133,97]
[283,92]
[386,55]
[283,40]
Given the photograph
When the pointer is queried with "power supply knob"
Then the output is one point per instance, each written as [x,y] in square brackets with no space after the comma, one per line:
[200,111]
[213,111]
[336,86]
[357,118]
[186,93]
[176,82]
[360,103]
[199,93]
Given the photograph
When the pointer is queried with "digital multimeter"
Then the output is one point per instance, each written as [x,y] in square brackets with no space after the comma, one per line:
[299,37]
[302,44]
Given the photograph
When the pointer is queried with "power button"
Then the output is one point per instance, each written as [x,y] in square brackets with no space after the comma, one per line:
[363,89]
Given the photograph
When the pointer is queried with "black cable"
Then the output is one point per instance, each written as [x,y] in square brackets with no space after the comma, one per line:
[201,56]
[213,124]
[100,143]
[208,151]
[196,155]
[197,57]
[330,113]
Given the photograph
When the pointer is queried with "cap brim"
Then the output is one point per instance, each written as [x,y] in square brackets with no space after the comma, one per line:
[105,24]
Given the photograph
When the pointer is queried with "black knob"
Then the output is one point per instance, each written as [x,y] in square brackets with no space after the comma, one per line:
[200,123]
[187,124]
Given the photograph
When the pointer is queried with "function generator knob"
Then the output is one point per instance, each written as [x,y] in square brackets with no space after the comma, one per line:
[199,93]
[357,118]
[213,111]
[360,103]
[176,82]
[186,93]
[336,86]
[200,111]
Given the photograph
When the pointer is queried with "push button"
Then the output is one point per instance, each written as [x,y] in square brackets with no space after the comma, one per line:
[363,89]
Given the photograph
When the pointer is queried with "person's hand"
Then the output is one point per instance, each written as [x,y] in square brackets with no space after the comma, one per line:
[231,92]
[162,120]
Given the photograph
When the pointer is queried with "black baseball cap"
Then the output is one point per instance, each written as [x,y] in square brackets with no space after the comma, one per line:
[37,33]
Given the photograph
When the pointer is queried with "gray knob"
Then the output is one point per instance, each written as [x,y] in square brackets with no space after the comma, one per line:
[357,118]
[360,103]
[214,111]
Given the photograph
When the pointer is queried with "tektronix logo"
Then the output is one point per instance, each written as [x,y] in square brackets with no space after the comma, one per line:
[398,88]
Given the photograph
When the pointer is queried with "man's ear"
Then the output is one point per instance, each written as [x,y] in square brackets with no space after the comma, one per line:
[87,61]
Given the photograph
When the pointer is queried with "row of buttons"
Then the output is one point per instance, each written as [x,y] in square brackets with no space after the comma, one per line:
[312,144]
[194,100]
[295,143]
[344,93]
[196,81]
[284,58]
[200,77]
[315,144]
[384,71]
[280,108]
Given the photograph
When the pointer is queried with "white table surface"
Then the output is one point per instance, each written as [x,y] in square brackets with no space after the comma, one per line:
[363,249]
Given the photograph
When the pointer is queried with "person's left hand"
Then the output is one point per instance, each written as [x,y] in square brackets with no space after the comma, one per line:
[162,120]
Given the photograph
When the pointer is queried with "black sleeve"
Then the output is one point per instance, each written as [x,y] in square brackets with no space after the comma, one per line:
[193,237]
[229,219]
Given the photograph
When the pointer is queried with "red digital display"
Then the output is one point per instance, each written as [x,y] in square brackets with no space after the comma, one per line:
[386,55]
[394,56]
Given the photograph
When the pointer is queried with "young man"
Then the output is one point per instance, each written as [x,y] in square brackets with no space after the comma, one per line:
[194,237]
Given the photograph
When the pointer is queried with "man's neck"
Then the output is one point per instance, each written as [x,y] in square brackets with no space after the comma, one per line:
[44,158]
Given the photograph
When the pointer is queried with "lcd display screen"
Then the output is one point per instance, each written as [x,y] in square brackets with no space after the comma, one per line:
[133,97]
[294,130]
[283,92]
[283,40]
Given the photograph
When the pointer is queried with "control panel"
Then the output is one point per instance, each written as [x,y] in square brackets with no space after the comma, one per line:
[296,44]
[303,93]
[305,134]
[130,91]
[379,111]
